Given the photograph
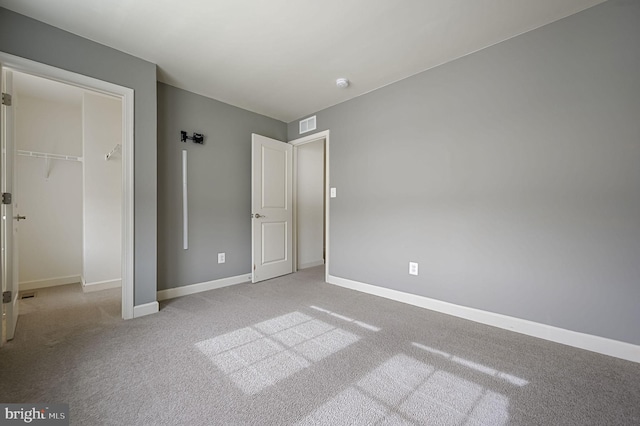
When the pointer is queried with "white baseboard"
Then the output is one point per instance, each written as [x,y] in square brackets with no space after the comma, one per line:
[101,285]
[49,282]
[146,309]
[205,286]
[589,342]
[311,264]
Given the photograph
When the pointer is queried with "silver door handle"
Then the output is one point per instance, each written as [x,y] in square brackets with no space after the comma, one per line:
[19,218]
[258,215]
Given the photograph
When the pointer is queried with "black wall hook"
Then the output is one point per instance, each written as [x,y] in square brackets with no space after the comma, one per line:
[197,137]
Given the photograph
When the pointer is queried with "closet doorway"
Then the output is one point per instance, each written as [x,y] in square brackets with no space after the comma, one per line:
[311,201]
[68,174]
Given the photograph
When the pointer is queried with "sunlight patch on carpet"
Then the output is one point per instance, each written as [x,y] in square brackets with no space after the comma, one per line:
[403,390]
[268,352]
[347,319]
[474,365]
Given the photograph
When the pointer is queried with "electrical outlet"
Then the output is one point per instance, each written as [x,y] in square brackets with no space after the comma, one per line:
[413,268]
[221,258]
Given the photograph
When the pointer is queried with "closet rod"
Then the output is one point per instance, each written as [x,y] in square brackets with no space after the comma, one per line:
[48,156]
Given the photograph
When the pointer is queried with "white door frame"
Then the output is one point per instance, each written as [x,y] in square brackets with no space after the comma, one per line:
[27,66]
[296,143]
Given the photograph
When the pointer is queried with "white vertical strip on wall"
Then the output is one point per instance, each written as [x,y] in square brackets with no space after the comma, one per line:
[185,210]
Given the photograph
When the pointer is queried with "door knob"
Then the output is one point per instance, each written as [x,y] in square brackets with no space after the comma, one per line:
[19,218]
[258,215]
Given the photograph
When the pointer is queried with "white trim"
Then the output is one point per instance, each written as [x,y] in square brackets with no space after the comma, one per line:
[185,203]
[205,286]
[310,138]
[294,197]
[589,342]
[49,282]
[127,95]
[297,142]
[312,264]
[101,285]
[146,309]
[128,227]
[327,200]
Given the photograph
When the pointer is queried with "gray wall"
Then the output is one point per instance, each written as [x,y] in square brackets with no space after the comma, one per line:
[34,40]
[219,185]
[511,175]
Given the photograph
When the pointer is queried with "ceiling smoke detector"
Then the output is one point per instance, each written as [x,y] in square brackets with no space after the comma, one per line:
[342,83]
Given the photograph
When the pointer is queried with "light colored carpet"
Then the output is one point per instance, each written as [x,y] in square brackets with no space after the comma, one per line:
[295,350]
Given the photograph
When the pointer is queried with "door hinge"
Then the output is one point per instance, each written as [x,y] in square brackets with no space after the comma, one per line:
[6,99]
[6,198]
[6,297]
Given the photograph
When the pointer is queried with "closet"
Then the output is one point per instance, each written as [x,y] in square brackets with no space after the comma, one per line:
[310,203]
[69,184]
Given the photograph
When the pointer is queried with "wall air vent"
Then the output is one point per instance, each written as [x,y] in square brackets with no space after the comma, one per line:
[308,124]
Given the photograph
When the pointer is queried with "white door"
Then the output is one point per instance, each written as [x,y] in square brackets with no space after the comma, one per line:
[10,216]
[271,207]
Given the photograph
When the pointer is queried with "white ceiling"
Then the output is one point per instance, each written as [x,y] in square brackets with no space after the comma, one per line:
[281,58]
